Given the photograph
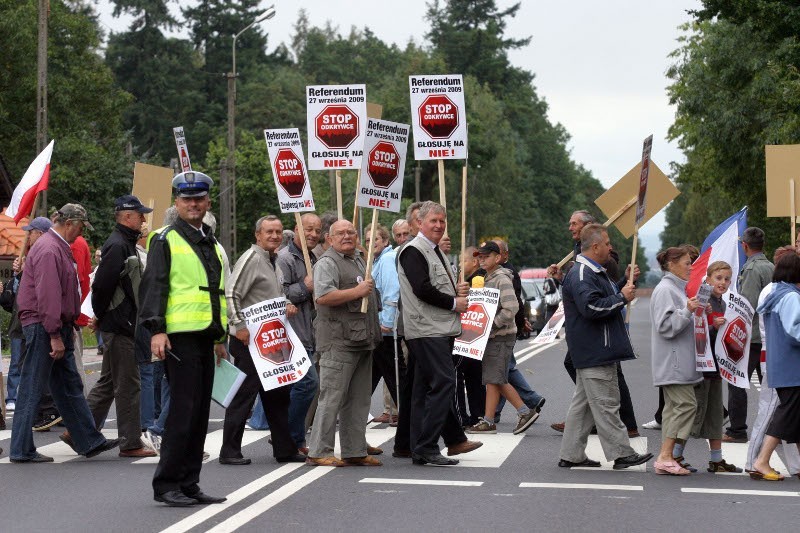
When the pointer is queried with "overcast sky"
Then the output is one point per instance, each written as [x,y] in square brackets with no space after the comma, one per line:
[600,65]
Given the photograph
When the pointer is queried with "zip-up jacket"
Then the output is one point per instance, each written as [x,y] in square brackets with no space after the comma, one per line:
[116,282]
[596,333]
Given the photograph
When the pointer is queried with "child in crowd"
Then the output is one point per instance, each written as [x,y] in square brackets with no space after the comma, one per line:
[709,417]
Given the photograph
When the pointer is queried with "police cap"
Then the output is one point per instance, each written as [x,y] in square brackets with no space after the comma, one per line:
[191,184]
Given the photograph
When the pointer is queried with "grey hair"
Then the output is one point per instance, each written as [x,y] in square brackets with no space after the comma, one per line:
[503,245]
[591,234]
[264,219]
[586,216]
[170,215]
[327,219]
[211,220]
[398,222]
[413,207]
[288,236]
[430,207]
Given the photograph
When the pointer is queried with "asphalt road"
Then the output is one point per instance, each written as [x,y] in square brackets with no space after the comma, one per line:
[512,482]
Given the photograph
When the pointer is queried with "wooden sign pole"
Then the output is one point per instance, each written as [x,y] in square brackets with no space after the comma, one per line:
[370,256]
[442,195]
[298,221]
[793,211]
[633,268]
[355,202]
[463,220]
[339,211]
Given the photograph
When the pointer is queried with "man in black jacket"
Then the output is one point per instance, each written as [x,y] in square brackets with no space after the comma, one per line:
[598,340]
[114,300]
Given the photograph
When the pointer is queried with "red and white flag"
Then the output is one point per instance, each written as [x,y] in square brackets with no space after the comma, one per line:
[722,244]
[34,181]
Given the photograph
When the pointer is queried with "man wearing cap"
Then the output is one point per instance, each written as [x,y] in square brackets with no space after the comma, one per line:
[182,304]
[114,300]
[755,275]
[49,303]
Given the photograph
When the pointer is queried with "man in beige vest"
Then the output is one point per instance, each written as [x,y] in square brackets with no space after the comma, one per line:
[432,307]
[345,339]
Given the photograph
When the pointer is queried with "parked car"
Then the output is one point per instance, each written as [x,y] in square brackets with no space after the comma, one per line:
[535,307]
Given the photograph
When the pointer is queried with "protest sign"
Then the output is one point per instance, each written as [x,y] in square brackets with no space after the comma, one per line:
[183,149]
[783,178]
[381,184]
[476,323]
[733,340]
[553,326]
[439,116]
[704,359]
[641,204]
[152,185]
[289,170]
[336,116]
[278,355]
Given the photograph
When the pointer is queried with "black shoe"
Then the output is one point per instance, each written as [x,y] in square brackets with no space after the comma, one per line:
[107,445]
[403,454]
[631,460]
[234,460]
[202,498]
[66,439]
[563,463]
[175,498]
[539,405]
[46,422]
[433,459]
[296,458]
[38,458]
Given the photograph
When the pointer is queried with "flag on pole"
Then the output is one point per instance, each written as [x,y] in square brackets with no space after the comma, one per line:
[722,244]
[34,181]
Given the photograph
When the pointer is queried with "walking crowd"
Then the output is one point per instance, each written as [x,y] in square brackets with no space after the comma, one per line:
[169,306]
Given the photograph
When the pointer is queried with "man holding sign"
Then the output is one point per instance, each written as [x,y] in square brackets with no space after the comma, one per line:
[255,279]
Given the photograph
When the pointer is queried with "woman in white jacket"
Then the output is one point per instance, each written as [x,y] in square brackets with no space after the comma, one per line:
[673,354]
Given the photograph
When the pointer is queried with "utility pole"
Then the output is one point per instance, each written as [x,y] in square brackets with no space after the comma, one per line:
[41,89]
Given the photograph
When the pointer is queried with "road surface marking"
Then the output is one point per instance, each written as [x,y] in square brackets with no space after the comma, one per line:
[493,453]
[735,453]
[594,450]
[61,452]
[737,492]
[438,482]
[537,351]
[249,437]
[578,486]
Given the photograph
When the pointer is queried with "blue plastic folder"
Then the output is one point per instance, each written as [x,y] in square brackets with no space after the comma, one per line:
[227,380]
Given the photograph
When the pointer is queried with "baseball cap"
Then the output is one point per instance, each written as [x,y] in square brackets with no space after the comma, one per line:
[129,202]
[75,212]
[191,184]
[487,248]
[39,223]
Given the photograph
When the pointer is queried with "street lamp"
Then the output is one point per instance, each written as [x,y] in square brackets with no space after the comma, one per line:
[228,185]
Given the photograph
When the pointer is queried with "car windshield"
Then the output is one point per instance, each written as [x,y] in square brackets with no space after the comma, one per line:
[532,288]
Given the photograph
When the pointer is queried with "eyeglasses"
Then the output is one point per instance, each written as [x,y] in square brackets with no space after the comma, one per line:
[349,232]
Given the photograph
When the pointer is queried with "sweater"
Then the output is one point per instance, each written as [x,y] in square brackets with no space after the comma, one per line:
[505,318]
[781,314]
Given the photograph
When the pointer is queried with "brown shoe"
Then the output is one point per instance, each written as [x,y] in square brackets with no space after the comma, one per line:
[373,450]
[406,454]
[363,461]
[385,418]
[728,438]
[138,452]
[633,433]
[394,421]
[463,447]
[303,450]
[325,461]
[558,426]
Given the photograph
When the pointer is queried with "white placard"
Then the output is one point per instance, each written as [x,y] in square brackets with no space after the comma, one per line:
[733,339]
[278,355]
[384,164]
[289,170]
[553,326]
[476,323]
[336,116]
[439,116]
[183,149]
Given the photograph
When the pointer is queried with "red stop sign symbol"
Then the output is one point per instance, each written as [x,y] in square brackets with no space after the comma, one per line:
[735,339]
[383,166]
[473,323]
[438,116]
[336,126]
[289,170]
[273,343]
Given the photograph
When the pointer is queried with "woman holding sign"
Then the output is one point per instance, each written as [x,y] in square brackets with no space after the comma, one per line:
[500,347]
[673,354]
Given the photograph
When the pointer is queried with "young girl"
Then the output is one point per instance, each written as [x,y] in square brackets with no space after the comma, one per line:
[708,420]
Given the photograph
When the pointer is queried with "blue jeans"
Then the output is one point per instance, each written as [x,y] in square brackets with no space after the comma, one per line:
[300,400]
[158,426]
[65,386]
[146,395]
[529,396]
[12,381]
[259,419]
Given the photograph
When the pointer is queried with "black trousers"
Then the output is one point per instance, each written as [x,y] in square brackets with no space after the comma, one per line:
[433,409]
[383,366]
[737,397]
[276,408]
[191,380]
[469,373]
[625,403]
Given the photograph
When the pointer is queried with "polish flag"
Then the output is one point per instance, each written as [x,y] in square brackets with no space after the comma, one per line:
[722,244]
[34,181]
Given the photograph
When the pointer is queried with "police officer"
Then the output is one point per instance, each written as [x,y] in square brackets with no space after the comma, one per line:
[183,306]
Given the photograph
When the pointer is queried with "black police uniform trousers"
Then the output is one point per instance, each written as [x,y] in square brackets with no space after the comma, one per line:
[276,408]
[190,380]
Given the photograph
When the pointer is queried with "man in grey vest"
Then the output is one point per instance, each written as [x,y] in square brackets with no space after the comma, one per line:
[432,307]
[345,340]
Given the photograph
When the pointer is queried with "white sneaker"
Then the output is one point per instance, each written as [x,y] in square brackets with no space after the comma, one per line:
[152,441]
[652,425]
[10,406]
